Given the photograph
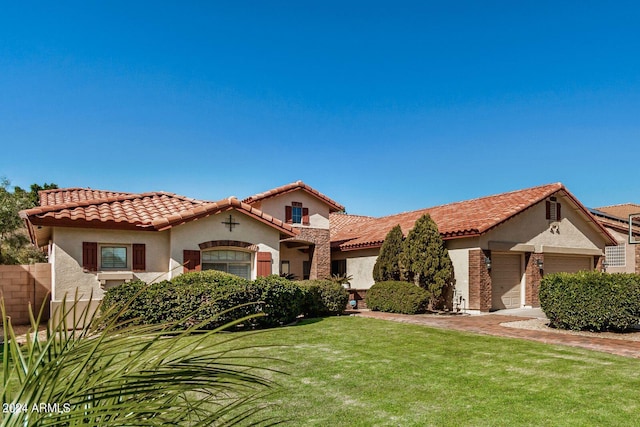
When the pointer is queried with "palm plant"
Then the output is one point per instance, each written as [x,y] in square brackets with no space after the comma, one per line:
[98,372]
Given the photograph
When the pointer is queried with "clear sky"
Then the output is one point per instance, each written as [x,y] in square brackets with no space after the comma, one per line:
[383,106]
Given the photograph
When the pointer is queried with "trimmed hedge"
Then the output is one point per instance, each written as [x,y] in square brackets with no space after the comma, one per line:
[323,298]
[193,298]
[281,300]
[397,297]
[591,301]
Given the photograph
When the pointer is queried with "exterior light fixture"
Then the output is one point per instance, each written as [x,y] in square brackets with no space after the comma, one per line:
[540,264]
[487,262]
[605,264]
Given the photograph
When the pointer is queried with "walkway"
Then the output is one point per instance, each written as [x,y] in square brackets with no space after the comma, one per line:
[490,324]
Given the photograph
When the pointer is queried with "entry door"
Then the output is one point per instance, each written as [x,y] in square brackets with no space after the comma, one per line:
[506,276]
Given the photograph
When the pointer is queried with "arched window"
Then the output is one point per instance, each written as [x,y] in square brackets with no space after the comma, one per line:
[229,261]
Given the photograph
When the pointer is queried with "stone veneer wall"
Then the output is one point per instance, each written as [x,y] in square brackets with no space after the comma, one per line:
[21,285]
[320,255]
[533,276]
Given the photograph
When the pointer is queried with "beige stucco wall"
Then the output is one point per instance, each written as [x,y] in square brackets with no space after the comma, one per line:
[460,261]
[66,258]
[318,211]
[189,235]
[532,228]
[359,265]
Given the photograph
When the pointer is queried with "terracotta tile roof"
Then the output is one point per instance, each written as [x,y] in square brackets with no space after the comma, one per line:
[454,220]
[298,185]
[148,211]
[621,211]
[59,196]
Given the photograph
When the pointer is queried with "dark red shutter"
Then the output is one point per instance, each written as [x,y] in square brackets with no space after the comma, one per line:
[90,256]
[558,214]
[548,207]
[139,257]
[288,214]
[191,261]
[264,264]
[305,216]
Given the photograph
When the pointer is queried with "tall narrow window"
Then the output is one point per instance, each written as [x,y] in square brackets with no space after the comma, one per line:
[553,212]
[296,213]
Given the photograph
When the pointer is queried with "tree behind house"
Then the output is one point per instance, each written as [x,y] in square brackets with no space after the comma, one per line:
[426,261]
[387,266]
[15,247]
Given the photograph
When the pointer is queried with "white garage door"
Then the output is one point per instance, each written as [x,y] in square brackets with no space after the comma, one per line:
[505,281]
[566,264]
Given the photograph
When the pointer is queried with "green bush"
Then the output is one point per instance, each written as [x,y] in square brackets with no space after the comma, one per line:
[220,278]
[192,298]
[397,297]
[591,300]
[188,299]
[323,298]
[281,299]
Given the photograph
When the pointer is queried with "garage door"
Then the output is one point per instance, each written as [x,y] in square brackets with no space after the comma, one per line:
[505,281]
[566,264]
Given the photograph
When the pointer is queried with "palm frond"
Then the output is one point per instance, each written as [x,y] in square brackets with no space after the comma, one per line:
[92,370]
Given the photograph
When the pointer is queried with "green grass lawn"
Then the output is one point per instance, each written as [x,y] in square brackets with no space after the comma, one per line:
[349,371]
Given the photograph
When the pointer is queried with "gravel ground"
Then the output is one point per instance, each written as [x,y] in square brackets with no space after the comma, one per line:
[541,325]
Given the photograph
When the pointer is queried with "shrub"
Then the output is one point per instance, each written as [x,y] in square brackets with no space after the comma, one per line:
[125,294]
[426,262]
[591,300]
[387,266]
[220,278]
[397,297]
[282,300]
[323,298]
[187,300]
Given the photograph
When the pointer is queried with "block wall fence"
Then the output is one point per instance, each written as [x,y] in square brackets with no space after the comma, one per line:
[21,285]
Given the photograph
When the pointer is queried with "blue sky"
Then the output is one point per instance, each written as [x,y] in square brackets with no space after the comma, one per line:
[383,106]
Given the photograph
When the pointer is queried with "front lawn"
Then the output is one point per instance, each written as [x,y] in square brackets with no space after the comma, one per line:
[349,371]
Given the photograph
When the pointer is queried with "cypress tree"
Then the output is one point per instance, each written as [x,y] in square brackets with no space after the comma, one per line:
[387,265]
[425,260]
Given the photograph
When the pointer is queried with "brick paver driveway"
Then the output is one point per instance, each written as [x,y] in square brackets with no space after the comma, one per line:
[490,324]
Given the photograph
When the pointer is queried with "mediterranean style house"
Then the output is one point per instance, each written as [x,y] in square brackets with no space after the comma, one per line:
[500,245]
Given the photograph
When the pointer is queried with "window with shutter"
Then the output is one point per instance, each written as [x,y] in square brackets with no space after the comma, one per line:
[552,210]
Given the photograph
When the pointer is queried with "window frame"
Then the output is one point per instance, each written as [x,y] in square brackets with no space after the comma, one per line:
[296,213]
[227,263]
[127,257]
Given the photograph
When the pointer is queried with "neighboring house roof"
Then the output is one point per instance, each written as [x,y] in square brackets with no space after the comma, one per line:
[619,224]
[620,211]
[154,211]
[455,220]
[294,186]
[58,196]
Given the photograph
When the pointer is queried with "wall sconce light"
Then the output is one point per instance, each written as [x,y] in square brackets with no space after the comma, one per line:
[487,262]
[605,264]
[540,264]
